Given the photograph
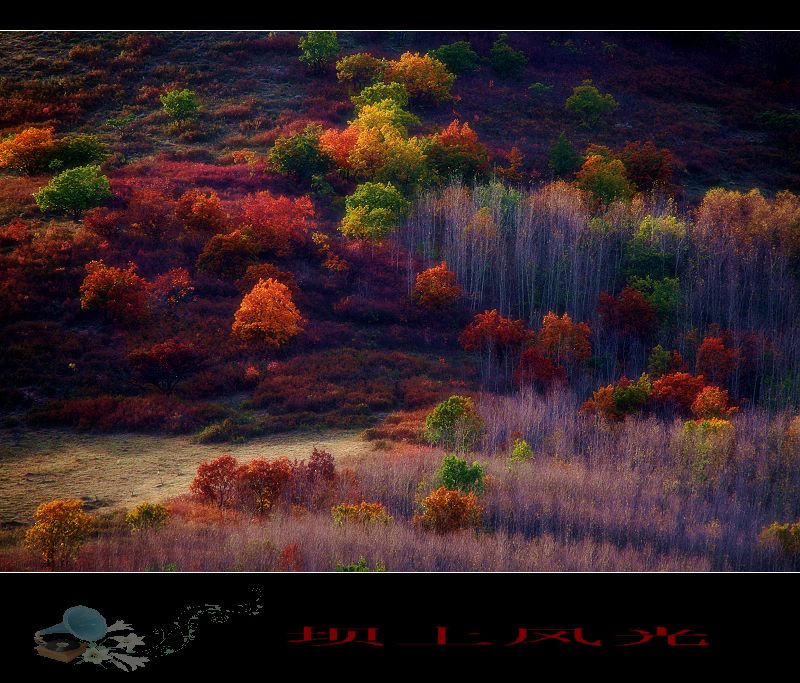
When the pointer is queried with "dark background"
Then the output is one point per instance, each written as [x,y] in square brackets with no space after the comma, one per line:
[743,616]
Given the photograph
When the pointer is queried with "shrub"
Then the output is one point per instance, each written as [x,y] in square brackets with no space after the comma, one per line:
[267,315]
[59,531]
[454,424]
[436,288]
[180,105]
[707,447]
[458,57]
[373,210]
[378,92]
[147,516]
[277,224]
[360,565]
[360,513]
[444,511]
[74,191]
[457,474]
[318,48]
[564,158]
[589,105]
[299,154]
[614,402]
[360,69]
[424,77]
[521,452]
[29,151]
[216,481]
[228,255]
[121,295]
[786,536]
[539,89]
[504,59]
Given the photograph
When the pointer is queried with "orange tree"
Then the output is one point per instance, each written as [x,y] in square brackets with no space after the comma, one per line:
[59,532]
[436,288]
[446,510]
[267,314]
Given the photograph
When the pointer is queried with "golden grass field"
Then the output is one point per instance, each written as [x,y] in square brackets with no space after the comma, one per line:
[121,470]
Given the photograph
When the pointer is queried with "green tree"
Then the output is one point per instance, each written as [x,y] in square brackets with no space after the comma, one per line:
[456,474]
[605,178]
[564,158]
[458,57]
[587,103]
[378,92]
[74,191]
[318,48]
[300,154]
[504,59]
[373,210]
[180,105]
[454,423]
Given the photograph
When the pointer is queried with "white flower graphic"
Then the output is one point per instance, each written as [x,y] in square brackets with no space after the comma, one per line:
[129,642]
[96,654]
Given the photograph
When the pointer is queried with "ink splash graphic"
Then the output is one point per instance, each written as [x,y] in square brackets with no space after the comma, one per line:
[128,651]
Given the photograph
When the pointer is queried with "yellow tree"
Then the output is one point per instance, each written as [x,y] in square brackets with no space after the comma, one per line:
[268,315]
[59,531]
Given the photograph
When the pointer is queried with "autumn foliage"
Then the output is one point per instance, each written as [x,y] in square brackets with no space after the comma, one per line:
[267,315]
[59,531]
[120,294]
[436,288]
[445,510]
[423,76]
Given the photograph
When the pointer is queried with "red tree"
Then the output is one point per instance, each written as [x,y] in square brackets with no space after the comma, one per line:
[679,389]
[120,294]
[215,481]
[491,332]
[630,313]
[717,361]
[535,367]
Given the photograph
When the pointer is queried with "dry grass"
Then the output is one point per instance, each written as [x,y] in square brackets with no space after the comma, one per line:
[119,470]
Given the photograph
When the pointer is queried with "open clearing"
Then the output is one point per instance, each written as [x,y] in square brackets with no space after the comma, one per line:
[113,470]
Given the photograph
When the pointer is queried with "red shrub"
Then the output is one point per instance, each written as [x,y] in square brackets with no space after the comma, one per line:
[647,166]
[291,559]
[277,224]
[228,255]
